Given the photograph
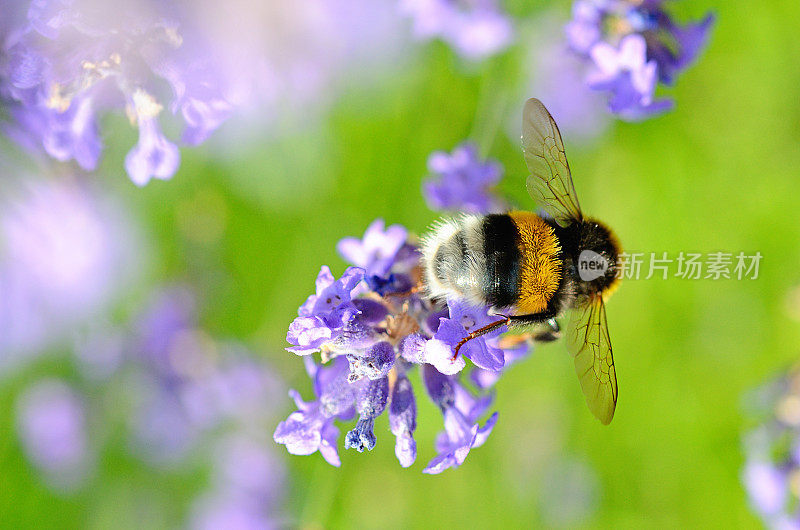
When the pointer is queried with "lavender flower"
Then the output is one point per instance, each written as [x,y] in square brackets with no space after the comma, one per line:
[311,428]
[246,487]
[631,46]
[66,250]
[368,352]
[475,29]
[461,433]
[463,320]
[188,383]
[461,182]
[322,318]
[70,61]
[186,394]
[52,427]
[557,78]
[193,392]
[772,452]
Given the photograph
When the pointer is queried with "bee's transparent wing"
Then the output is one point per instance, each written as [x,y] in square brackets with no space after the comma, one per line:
[550,183]
[589,343]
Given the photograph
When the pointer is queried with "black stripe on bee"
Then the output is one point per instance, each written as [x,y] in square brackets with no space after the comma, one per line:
[502,260]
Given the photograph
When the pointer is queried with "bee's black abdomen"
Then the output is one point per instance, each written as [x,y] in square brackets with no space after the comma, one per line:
[502,260]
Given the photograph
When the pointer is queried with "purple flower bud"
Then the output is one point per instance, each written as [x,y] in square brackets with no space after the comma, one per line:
[370,311]
[403,420]
[370,403]
[393,284]
[375,364]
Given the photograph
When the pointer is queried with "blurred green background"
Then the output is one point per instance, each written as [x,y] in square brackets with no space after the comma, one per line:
[720,173]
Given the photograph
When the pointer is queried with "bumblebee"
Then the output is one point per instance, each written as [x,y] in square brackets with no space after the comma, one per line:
[530,268]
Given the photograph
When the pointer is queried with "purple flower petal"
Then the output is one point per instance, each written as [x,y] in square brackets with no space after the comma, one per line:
[374,253]
[475,29]
[767,486]
[327,448]
[300,432]
[324,317]
[153,157]
[632,46]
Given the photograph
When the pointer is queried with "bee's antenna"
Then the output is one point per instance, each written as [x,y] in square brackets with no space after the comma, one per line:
[480,331]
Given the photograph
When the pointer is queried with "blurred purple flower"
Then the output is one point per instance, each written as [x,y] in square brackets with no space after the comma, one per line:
[772,451]
[365,365]
[281,61]
[476,29]
[69,62]
[629,78]
[246,487]
[631,46]
[196,392]
[74,60]
[153,156]
[189,382]
[65,250]
[767,486]
[185,394]
[51,421]
[558,80]
[461,182]
[170,311]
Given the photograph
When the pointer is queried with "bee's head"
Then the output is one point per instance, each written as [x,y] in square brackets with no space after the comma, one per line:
[597,260]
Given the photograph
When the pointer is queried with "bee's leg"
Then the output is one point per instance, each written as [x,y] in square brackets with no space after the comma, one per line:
[417,288]
[481,331]
[548,316]
[545,316]
[553,332]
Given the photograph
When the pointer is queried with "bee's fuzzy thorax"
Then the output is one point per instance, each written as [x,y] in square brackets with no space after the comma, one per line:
[540,270]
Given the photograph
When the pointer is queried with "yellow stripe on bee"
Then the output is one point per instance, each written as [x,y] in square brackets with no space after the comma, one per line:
[540,268]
